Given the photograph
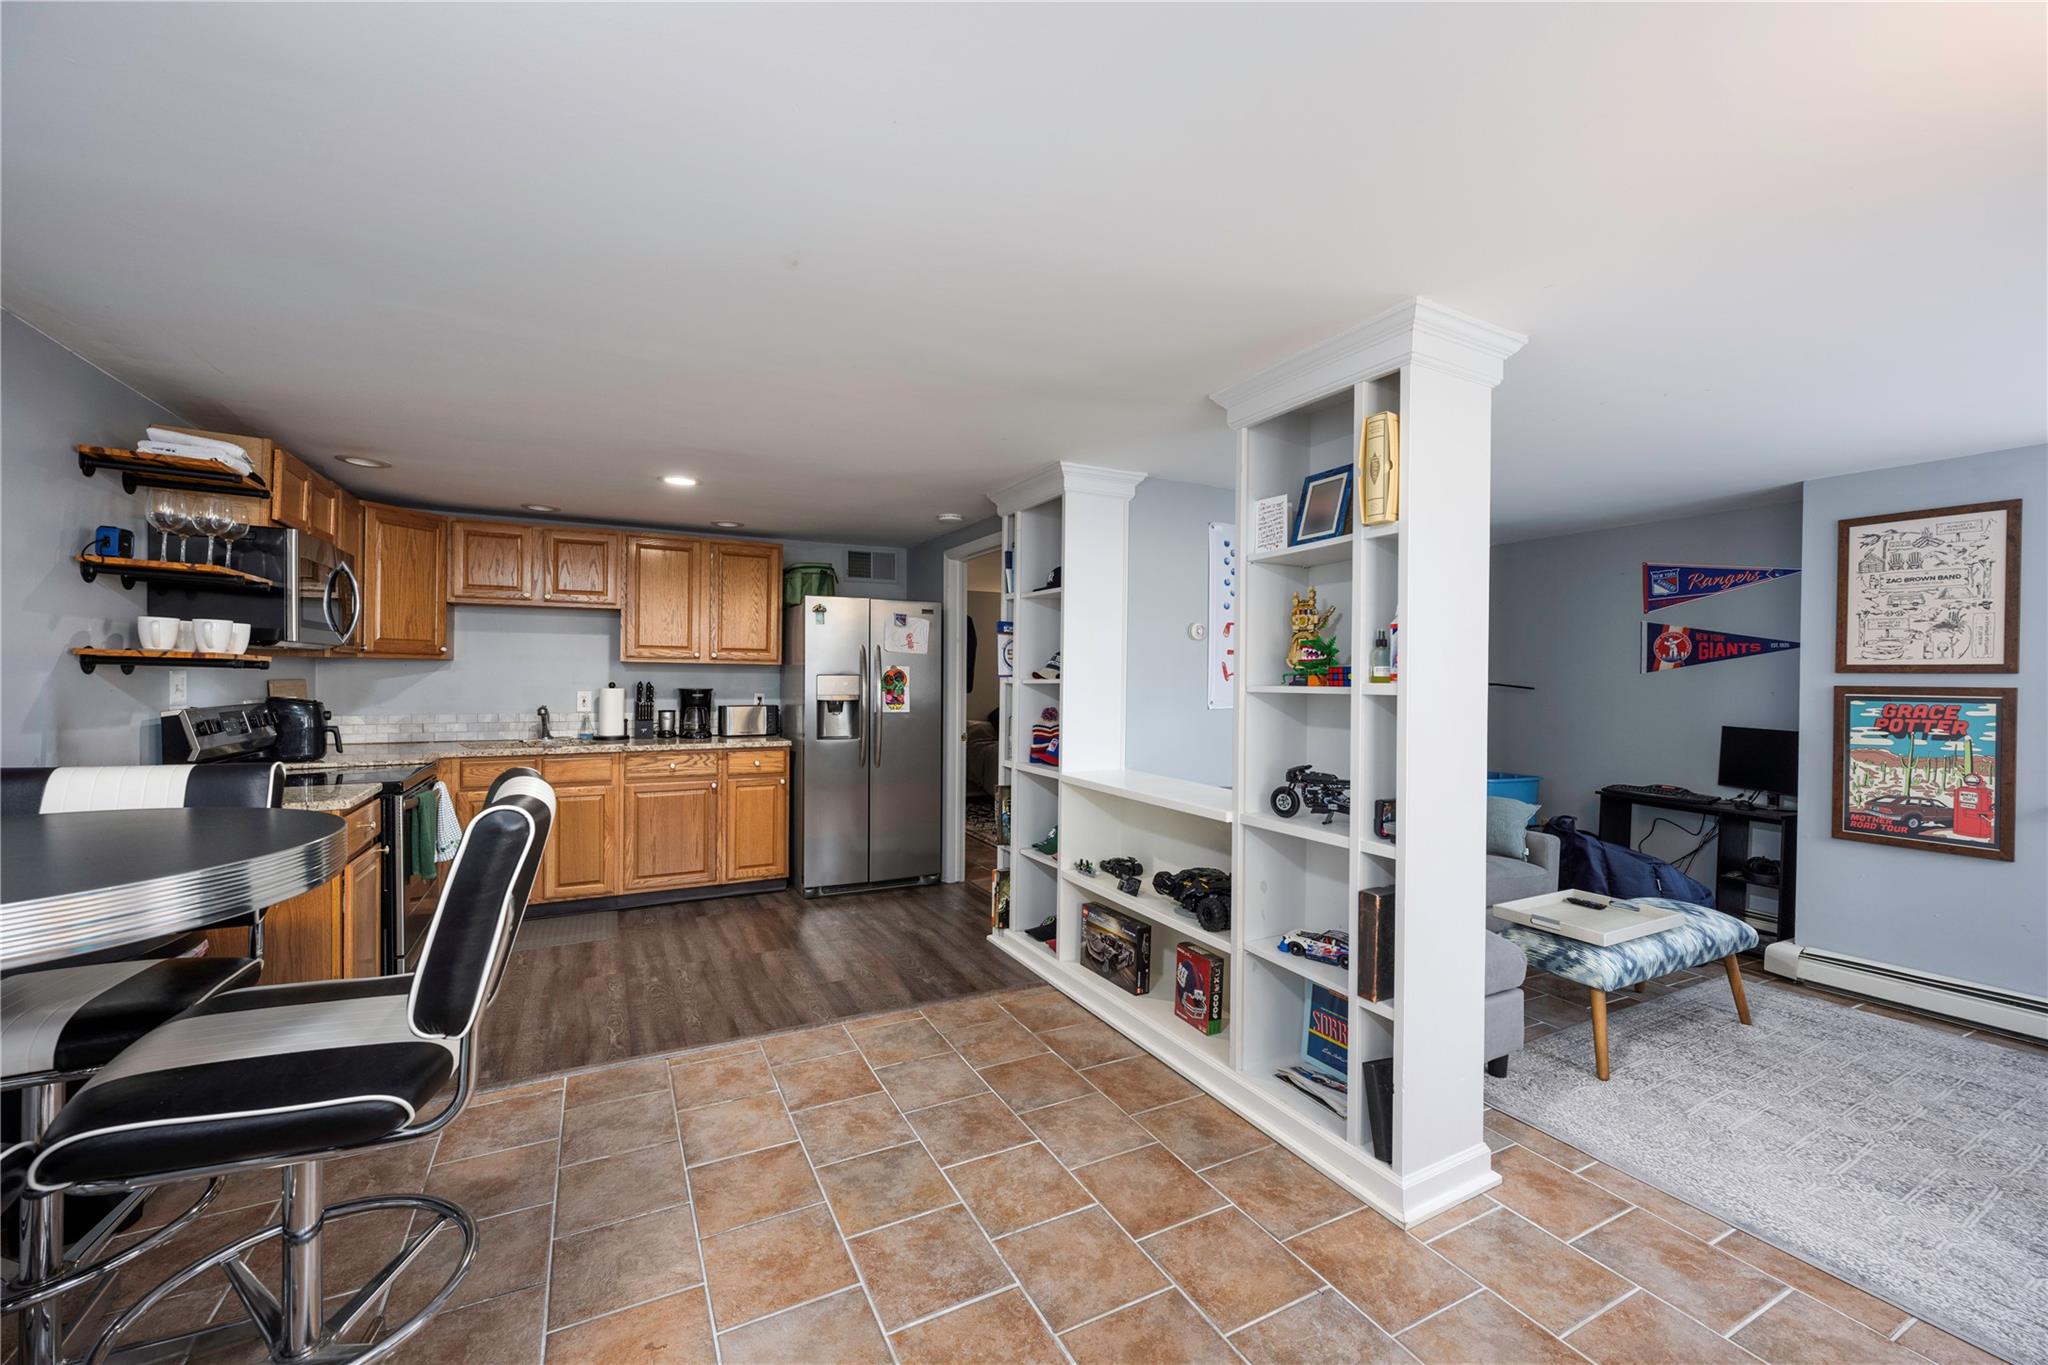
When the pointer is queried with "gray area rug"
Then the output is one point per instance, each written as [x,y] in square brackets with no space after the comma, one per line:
[1909,1162]
[559,931]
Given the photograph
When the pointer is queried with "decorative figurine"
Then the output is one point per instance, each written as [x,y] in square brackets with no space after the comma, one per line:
[1312,652]
[1126,871]
[1084,867]
[1332,946]
[1203,892]
[1050,844]
[1324,794]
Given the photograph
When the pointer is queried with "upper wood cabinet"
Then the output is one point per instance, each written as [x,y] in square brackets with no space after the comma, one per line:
[663,614]
[492,561]
[404,572]
[302,497]
[744,607]
[579,568]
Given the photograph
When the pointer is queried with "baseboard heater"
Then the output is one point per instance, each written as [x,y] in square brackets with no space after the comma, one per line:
[2008,1011]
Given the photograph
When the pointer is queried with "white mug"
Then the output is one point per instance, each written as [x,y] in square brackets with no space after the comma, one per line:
[238,639]
[156,632]
[214,633]
[185,645]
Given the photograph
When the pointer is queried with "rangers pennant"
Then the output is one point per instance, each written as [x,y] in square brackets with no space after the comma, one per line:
[1668,585]
[1666,646]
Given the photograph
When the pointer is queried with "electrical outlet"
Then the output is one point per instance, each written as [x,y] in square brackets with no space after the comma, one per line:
[586,701]
[758,699]
[179,693]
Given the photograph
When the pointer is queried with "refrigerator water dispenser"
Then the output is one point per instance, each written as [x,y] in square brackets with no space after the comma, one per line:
[838,706]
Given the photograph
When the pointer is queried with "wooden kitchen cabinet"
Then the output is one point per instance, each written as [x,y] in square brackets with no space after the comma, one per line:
[362,904]
[582,858]
[579,568]
[662,617]
[492,561]
[404,572]
[671,827]
[743,607]
[754,817]
[302,497]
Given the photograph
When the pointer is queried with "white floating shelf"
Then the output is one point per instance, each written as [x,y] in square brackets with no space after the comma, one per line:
[1284,690]
[1042,682]
[1169,793]
[1303,826]
[1044,860]
[1043,592]
[1290,1098]
[1384,529]
[1331,551]
[1388,689]
[1375,847]
[1146,905]
[1384,1009]
[1044,770]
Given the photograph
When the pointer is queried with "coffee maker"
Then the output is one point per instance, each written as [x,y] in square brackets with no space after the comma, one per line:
[695,719]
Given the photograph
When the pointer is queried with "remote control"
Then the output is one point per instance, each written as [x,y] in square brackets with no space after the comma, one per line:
[1581,900]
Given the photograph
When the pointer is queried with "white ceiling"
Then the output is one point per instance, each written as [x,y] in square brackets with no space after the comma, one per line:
[853,266]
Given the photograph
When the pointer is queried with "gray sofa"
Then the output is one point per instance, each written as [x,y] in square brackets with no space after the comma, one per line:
[1510,879]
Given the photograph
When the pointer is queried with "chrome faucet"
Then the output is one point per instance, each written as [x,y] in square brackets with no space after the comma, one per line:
[545,732]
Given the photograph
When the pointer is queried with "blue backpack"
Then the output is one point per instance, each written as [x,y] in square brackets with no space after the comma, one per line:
[1589,864]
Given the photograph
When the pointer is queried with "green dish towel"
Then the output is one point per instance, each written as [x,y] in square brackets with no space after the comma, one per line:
[419,845]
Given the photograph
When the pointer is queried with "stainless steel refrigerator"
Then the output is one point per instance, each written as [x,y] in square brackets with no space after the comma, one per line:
[863,706]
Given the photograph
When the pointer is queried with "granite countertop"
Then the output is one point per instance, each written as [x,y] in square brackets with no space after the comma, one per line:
[434,751]
[331,799]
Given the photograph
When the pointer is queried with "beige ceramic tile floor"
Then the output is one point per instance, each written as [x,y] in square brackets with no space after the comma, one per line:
[1005,1178]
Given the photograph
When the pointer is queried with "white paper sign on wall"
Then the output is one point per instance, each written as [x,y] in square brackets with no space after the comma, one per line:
[1223,580]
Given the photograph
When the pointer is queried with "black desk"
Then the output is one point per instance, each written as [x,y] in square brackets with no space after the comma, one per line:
[1731,849]
[93,880]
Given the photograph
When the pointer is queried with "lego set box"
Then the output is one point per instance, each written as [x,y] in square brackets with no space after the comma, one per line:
[1117,946]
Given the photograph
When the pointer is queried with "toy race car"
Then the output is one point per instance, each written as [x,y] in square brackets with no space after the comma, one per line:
[1203,892]
[1330,945]
[1126,871]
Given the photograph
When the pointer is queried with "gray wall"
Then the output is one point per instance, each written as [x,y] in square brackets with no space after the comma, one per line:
[1567,620]
[1970,918]
[1168,726]
[49,711]
[926,560]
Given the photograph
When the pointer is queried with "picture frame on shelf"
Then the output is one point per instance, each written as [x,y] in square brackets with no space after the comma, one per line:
[1932,591]
[1325,510]
[1925,768]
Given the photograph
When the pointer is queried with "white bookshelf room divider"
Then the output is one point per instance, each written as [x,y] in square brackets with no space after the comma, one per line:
[1420,741]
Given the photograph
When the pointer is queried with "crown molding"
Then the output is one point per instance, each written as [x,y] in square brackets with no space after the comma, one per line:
[1420,330]
[1057,480]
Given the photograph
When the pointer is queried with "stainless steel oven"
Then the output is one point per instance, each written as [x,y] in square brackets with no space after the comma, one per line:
[314,600]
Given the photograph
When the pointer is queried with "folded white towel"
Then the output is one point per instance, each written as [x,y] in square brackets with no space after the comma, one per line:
[198,447]
[447,829]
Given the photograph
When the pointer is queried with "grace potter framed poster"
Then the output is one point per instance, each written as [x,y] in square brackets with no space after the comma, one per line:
[1926,768]
[1929,592]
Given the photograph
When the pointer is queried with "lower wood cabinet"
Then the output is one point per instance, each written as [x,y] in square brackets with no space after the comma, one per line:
[660,821]
[362,906]
[333,931]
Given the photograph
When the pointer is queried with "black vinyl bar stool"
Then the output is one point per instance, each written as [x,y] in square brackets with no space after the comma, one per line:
[282,1077]
[58,1025]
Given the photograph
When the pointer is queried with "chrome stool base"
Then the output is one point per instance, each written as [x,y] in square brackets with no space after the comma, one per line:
[289,1323]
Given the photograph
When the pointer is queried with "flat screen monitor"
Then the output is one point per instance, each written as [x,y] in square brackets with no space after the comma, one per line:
[1760,760]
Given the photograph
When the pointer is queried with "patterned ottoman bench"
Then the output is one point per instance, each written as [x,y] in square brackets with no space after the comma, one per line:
[1706,936]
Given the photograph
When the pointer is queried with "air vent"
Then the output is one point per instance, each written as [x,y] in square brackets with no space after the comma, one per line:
[871,566]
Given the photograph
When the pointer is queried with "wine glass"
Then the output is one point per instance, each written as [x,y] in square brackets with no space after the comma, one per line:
[211,515]
[233,528]
[185,524]
[162,515]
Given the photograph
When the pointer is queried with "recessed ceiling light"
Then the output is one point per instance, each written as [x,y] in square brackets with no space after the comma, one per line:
[679,481]
[951,516]
[540,507]
[364,462]
[728,525]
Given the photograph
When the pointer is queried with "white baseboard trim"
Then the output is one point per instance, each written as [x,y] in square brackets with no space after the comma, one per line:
[1966,1001]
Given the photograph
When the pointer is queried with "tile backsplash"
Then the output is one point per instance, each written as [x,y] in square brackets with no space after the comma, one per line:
[417,727]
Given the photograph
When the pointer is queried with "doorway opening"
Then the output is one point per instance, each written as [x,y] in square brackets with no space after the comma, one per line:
[982,727]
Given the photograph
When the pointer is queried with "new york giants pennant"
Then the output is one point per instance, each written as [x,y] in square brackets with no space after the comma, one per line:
[1667,646]
[1668,585]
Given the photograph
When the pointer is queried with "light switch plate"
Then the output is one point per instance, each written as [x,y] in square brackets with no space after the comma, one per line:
[179,690]
[586,701]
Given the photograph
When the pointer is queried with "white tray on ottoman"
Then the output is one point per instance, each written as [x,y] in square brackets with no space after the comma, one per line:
[1617,921]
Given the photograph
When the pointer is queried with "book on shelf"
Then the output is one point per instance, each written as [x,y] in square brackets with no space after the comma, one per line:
[1375,943]
[1379,470]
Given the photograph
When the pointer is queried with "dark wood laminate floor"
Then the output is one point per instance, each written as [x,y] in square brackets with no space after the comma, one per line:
[712,971]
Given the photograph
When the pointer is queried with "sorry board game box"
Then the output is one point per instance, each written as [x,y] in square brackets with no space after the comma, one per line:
[1117,946]
[1198,986]
[1326,1030]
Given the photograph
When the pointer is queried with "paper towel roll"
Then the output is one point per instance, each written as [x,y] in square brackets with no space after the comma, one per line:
[611,713]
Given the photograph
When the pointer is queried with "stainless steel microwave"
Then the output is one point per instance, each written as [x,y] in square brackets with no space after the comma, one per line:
[315,600]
